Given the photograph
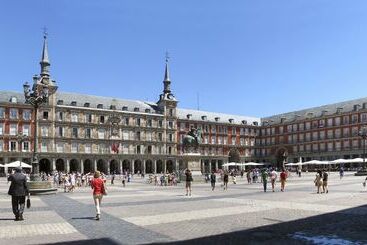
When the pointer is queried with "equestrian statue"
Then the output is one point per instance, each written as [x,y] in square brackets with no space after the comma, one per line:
[192,140]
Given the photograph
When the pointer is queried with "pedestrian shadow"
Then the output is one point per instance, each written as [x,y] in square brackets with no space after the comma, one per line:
[98,241]
[90,218]
[6,219]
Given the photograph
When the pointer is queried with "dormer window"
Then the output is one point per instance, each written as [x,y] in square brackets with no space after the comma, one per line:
[124,108]
[73,103]
[136,109]
[364,105]
[255,123]
[203,117]
[112,107]
[231,120]
[188,116]
[13,99]
[244,122]
[310,115]
[60,102]
[217,119]
[100,106]
[324,112]
[282,119]
[147,110]
[87,104]
[356,107]
[339,110]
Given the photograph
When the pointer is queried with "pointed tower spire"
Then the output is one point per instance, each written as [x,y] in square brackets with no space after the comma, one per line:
[45,63]
[167,81]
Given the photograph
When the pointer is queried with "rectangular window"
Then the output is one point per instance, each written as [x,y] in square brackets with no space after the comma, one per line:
[233,140]
[138,121]
[74,117]
[13,129]
[45,115]
[330,146]
[301,126]
[321,123]
[13,113]
[60,147]
[329,122]
[364,117]
[1,129]
[126,121]
[26,146]
[74,148]
[337,121]
[330,134]
[346,132]
[88,148]
[322,135]
[26,130]
[315,147]
[101,119]
[88,118]
[2,112]
[346,120]
[149,122]
[61,132]
[315,135]
[13,146]
[26,115]
[137,135]
[1,145]
[125,149]
[213,140]
[44,147]
[44,131]
[88,133]
[138,149]
[60,116]
[75,133]
[346,144]
[160,137]
[125,135]
[355,118]
[170,138]
[308,125]
[101,133]
[170,124]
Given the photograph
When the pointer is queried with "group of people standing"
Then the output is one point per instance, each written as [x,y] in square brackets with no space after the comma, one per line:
[272,174]
[321,180]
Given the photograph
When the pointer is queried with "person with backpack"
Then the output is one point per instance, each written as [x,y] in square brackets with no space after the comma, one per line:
[188,181]
[283,179]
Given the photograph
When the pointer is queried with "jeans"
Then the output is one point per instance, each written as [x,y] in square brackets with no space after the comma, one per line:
[265,185]
[97,202]
[17,203]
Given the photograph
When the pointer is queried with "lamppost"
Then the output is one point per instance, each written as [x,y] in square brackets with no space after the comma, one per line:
[21,138]
[35,97]
[363,134]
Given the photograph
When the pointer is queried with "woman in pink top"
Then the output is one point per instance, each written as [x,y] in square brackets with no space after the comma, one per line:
[97,185]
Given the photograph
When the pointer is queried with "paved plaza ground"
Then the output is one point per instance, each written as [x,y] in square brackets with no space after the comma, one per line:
[244,214]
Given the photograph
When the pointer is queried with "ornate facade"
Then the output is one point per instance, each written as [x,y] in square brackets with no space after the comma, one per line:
[79,132]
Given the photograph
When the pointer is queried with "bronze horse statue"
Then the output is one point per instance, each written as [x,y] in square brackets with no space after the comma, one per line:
[192,140]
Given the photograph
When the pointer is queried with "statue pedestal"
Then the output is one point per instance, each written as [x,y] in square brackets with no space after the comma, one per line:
[193,162]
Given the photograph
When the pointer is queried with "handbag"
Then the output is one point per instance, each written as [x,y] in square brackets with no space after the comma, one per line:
[28,202]
[104,190]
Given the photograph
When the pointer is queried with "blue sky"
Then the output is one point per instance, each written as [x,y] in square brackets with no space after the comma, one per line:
[254,58]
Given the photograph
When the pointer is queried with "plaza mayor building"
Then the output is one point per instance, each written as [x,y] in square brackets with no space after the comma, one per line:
[78,132]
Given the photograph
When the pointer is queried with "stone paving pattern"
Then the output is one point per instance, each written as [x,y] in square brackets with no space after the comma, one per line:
[141,213]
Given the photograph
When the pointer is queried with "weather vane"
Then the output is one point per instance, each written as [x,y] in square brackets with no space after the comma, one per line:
[45,33]
[167,57]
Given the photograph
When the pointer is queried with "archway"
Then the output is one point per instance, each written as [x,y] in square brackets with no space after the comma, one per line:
[125,165]
[149,166]
[114,166]
[102,166]
[60,165]
[137,166]
[159,166]
[45,166]
[213,166]
[74,165]
[220,164]
[169,167]
[206,166]
[87,166]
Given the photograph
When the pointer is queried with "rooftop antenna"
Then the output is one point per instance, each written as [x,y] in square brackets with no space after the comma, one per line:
[45,32]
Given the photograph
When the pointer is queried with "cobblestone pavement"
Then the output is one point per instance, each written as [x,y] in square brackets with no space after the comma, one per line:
[244,214]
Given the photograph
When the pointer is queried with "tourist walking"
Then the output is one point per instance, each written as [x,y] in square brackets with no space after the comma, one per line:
[188,181]
[225,180]
[325,177]
[273,178]
[283,179]
[264,178]
[99,190]
[341,172]
[248,175]
[213,180]
[318,180]
[18,190]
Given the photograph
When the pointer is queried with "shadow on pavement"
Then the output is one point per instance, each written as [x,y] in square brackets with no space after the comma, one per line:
[90,218]
[343,227]
[98,241]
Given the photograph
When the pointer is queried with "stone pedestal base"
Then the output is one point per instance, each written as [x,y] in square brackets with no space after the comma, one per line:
[41,188]
[193,162]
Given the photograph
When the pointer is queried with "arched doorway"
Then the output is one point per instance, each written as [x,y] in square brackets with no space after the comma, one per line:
[213,164]
[169,167]
[87,166]
[114,166]
[159,166]
[102,166]
[45,166]
[148,166]
[125,165]
[220,164]
[137,166]
[60,165]
[74,165]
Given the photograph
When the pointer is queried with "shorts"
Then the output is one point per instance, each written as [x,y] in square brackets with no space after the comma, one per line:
[324,183]
[188,184]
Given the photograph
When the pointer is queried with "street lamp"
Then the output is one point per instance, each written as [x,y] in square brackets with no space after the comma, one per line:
[21,138]
[36,96]
[363,134]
